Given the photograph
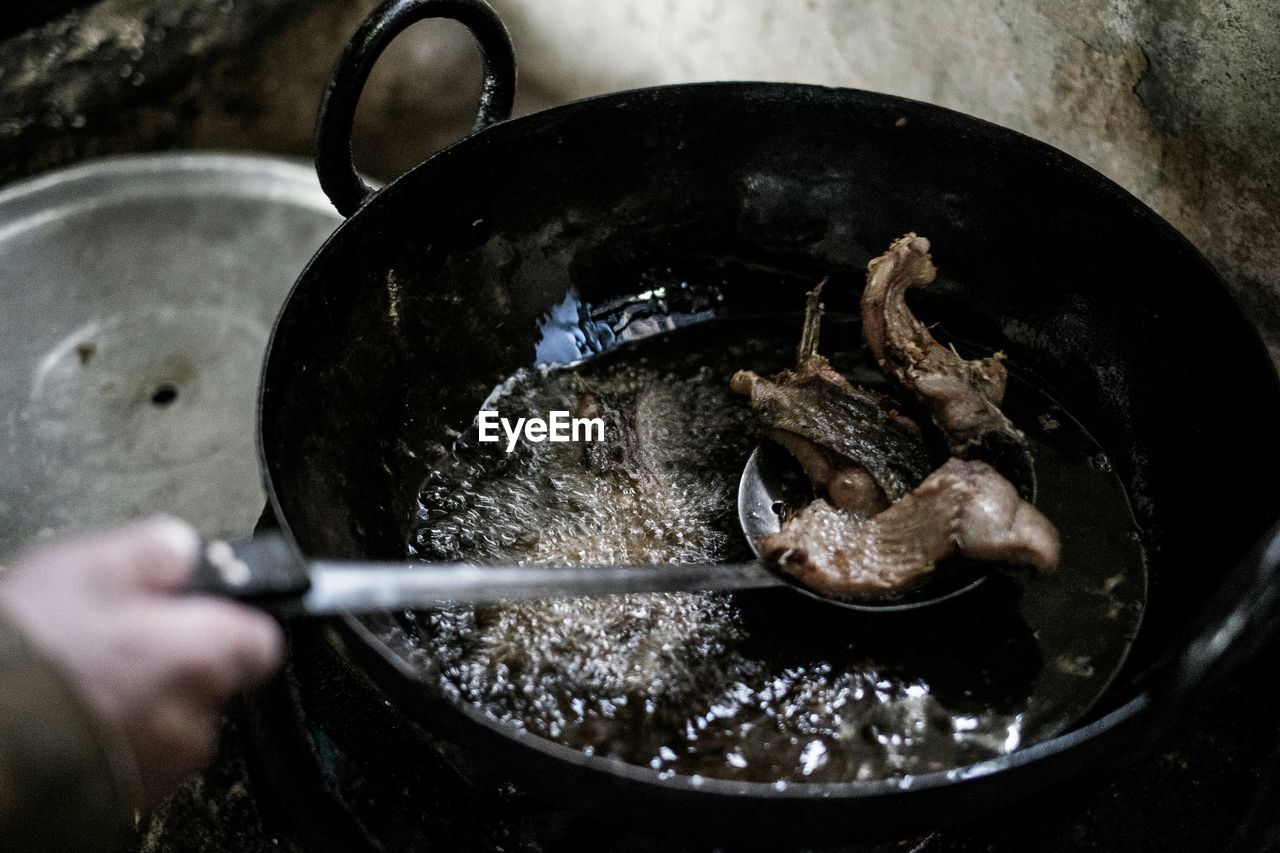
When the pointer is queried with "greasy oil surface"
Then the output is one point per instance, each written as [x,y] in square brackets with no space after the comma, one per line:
[768,685]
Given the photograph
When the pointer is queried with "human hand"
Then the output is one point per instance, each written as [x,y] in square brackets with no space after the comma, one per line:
[154,664]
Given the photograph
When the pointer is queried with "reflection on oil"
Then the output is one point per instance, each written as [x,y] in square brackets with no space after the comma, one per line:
[574,329]
[567,333]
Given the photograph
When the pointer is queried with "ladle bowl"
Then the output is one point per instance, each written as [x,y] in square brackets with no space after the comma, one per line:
[767,495]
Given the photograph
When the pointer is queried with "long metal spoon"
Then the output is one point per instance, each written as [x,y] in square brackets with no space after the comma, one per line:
[267,571]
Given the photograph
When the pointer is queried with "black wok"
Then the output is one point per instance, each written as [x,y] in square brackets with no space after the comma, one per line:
[431,292]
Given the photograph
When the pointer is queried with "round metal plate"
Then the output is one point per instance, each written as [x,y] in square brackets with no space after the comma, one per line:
[136,298]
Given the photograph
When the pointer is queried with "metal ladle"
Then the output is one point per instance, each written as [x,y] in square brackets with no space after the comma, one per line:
[266,570]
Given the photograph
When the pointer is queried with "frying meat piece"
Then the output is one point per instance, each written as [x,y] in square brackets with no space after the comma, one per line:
[962,396]
[964,507]
[872,536]
[832,427]
[848,486]
[850,441]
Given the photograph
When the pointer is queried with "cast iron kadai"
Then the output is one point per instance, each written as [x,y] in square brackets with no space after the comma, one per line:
[433,290]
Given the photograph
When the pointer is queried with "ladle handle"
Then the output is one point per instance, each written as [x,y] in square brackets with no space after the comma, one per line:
[334,163]
[263,571]
[266,572]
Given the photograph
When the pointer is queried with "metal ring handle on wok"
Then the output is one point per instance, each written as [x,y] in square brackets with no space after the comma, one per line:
[1242,616]
[334,162]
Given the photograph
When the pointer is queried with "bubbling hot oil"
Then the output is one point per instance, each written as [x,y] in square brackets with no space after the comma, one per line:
[763,686]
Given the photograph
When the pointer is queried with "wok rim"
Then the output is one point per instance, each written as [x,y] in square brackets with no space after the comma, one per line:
[1053,158]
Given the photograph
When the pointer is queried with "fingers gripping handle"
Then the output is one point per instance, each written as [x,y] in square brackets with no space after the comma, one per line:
[334,163]
[263,571]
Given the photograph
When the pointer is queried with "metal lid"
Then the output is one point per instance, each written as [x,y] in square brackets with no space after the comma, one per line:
[136,298]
